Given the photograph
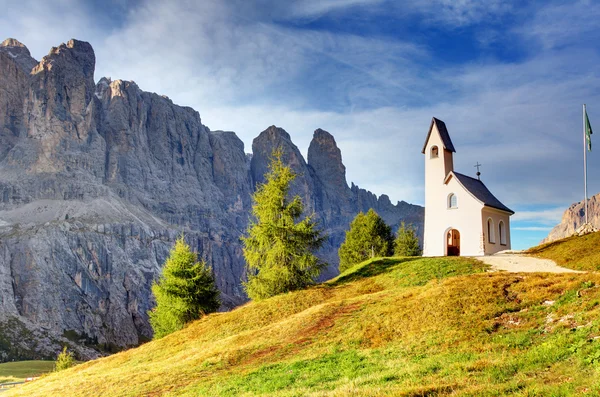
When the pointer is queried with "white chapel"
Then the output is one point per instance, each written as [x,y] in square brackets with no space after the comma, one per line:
[462,217]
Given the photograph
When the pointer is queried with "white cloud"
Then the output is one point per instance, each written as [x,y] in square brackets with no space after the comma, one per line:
[550,216]
[458,13]
[559,24]
[314,8]
[533,228]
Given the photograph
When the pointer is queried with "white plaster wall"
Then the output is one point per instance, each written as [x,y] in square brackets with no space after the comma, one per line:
[466,218]
[496,216]
[438,217]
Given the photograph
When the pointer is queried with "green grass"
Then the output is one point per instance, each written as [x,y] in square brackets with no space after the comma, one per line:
[21,370]
[578,253]
[391,326]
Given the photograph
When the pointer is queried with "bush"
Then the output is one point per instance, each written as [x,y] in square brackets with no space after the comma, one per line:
[184,292]
[406,243]
[64,360]
[278,249]
[367,237]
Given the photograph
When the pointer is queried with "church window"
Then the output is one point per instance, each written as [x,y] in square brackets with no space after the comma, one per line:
[502,233]
[434,152]
[452,201]
[491,231]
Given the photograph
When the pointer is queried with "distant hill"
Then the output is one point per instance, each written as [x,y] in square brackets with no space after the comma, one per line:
[397,326]
[574,217]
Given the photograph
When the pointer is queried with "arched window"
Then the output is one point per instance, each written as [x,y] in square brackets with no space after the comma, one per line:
[434,152]
[491,231]
[502,233]
[452,201]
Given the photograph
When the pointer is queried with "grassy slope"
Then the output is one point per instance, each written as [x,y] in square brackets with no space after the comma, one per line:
[21,370]
[411,327]
[579,253]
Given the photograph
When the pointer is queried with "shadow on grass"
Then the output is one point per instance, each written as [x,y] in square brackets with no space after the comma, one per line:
[369,269]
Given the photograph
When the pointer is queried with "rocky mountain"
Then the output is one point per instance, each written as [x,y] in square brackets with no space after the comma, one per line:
[97,180]
[574,217]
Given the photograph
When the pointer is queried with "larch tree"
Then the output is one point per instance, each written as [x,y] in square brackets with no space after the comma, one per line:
[278,246]
[369,236]
[184,292]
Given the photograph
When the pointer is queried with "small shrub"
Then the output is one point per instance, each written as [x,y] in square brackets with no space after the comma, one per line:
[64,360]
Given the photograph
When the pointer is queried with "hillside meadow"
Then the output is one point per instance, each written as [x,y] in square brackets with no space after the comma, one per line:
[576,252]
[389,326]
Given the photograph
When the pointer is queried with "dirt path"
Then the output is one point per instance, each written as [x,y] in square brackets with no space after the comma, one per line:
[515,263]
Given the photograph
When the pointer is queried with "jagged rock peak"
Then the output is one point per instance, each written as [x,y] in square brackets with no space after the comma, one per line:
[79,53]
[325,142]
[325,158]
[323,135]
[10,42]
[274,132]
[18,53]
[77,45]
[262,150]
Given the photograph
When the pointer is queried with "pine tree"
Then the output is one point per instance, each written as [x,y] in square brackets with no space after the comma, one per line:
[184,292]
[406,243]
[367,237]
[278,249]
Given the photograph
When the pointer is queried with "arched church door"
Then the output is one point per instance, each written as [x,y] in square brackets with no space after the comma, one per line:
[453,243]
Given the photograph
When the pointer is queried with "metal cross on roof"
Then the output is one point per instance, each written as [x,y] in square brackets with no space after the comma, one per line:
[478,173]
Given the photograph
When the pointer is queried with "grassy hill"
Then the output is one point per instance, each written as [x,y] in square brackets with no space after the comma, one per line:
[578,253]
[392,326]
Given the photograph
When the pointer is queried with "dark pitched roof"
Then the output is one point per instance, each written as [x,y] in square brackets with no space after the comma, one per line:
[481,193]
[441,126]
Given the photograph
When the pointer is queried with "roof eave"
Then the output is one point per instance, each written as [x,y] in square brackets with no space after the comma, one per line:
[506,210]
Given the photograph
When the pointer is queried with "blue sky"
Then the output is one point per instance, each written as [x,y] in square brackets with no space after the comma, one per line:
[508,79]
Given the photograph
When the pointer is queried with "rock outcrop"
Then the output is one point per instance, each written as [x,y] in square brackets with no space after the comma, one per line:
[574,218]
[97,180]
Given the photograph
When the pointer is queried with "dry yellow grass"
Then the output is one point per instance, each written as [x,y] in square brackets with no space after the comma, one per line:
[394,326]
[578,253]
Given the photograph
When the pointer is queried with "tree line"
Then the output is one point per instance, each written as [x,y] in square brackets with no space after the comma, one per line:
[279,248]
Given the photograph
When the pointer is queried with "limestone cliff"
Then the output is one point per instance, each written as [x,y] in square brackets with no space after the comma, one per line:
[97,180]
[574,217]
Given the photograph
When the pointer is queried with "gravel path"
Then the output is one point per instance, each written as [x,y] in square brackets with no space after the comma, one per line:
[515,263]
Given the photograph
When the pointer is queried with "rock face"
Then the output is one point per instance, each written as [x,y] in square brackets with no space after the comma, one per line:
[574,218]
[97,180]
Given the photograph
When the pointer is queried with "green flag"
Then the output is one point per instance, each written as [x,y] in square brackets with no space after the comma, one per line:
[588,132]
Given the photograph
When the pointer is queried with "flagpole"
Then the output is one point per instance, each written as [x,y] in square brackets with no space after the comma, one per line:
[585,168]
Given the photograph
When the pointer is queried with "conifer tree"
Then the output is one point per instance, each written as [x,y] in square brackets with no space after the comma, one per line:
[184,292]
[368,237]
[278,248]
[407,242]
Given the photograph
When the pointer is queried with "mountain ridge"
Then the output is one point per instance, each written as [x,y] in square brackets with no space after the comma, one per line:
[97,180]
